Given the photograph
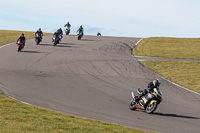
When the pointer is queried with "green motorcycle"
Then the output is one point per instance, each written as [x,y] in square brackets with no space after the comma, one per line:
[79,34]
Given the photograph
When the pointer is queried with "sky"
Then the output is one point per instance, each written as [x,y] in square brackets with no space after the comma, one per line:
[122,18]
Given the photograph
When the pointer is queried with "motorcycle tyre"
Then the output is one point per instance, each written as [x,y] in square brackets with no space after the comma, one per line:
[54,44]
[37,41]
[19,49]
[131,106]
[79,37]
[155,104]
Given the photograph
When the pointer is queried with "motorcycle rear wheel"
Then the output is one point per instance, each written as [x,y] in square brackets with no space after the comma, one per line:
[151,107]
[79,37]
[132,105]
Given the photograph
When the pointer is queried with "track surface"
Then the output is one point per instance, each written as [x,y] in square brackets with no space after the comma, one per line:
[94,78]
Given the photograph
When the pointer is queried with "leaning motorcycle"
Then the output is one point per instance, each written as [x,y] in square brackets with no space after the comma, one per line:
[37,39]
[67,30]
[148,102]
[79,34]
[55,40]
[20,45]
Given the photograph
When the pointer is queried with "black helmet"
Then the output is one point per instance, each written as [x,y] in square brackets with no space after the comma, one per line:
[156,82]
[22,35]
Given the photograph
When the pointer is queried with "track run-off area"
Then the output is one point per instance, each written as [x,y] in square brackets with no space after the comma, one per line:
[94,78]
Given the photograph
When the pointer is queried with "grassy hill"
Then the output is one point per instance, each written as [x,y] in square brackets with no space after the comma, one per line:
[186,74]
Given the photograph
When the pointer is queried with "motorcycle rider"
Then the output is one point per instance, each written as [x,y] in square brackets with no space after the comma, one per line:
[39,32]
[67,28]
[98,34]
[68,25]
[150,88]
[22,38]
[60,32]
[80,29]
[56,34]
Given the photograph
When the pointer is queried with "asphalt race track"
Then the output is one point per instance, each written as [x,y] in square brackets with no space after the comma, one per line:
[94,78]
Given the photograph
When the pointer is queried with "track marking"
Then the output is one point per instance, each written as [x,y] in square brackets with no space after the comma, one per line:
[5,45]
[138,41]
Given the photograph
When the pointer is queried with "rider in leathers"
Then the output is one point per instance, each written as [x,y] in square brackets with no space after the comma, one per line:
[150,88]
[40,33]
[67,25]
[23,39]
[81,29]
[56,34]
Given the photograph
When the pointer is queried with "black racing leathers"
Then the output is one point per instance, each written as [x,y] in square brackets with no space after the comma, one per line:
[149,89]
[40,33]
[23,39]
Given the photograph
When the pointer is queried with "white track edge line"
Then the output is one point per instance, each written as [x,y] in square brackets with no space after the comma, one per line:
[5,45]
[138,41]
[18,100]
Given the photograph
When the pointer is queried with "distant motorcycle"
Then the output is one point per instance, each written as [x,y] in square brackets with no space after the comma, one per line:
[55,40]
[67,30]
[20,45]
[37,38]
[79,34]
[148,102]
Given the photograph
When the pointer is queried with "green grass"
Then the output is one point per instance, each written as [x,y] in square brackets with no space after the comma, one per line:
[16,117]
[185,48]
[8,36]
[186,74]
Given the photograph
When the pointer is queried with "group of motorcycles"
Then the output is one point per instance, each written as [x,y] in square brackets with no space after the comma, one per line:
[148,102]
[57,39]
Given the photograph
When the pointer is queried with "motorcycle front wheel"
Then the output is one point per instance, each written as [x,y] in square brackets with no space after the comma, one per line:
[37,41]
[132,105]
[19,49]
[151,107]
[79,37]
[54,44]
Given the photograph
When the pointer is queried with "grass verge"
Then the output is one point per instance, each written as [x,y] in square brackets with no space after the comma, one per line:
[8,36]
[16,117]
[183,48]
[186,74]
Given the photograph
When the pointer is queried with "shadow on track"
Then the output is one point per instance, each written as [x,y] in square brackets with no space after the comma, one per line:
[175,115]
[31,52]
[66,44]
[86,40]
[42,44]
[62,46]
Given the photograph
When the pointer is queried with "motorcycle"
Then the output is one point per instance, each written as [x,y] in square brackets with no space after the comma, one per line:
[67,30]
[55,40]
[148,102]
[37,39]
[20,45]
[79,34]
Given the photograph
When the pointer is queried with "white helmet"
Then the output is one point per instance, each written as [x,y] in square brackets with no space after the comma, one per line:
[156,82]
